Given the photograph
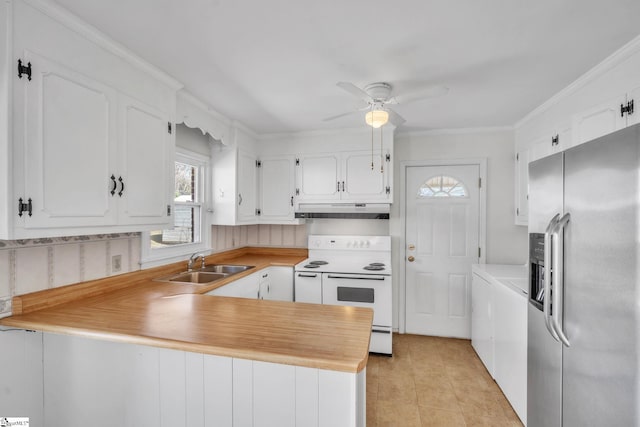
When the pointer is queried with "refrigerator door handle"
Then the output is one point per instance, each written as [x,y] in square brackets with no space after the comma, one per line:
[546,303]
[558,295]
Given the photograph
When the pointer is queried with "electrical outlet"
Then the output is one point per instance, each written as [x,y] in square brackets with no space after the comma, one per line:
[116,263]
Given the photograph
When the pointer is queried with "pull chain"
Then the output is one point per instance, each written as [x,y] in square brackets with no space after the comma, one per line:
[381,162]
[371,147]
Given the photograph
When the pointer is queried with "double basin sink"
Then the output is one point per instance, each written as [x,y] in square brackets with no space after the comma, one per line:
[205,275]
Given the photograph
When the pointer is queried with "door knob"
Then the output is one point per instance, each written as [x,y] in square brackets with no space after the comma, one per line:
[411,259]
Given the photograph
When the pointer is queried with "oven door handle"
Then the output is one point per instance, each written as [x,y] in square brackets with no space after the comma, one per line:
[307,275]
[381,331]
[356,277]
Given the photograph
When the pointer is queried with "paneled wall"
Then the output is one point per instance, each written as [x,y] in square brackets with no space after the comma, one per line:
[224,237]
[37,264]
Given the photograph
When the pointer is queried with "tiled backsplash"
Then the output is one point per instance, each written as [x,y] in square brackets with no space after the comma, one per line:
[224,237]
[37,264]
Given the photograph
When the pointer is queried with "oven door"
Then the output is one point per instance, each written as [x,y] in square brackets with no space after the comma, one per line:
[364,290]
[360,290]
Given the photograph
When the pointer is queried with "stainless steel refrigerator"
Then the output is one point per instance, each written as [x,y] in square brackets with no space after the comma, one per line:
[584,295]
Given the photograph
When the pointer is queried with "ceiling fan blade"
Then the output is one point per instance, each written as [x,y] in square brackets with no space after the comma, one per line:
[394,117]
[429,92]
[354,90]
[339,115]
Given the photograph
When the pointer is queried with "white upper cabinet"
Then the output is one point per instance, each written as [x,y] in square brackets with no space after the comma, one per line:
[277,189]
[318,177]
[146,163]
[247,187]
[89,137]
[346,176]
[234,186]
[600,120]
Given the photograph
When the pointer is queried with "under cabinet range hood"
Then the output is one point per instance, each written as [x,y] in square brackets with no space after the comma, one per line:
[343,210]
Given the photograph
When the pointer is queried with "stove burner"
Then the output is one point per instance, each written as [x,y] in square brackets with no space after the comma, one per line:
[319,262]
[372,267]
[376,264]
[311,266]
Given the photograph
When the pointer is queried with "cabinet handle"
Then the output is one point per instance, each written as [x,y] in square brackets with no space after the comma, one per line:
[291,200]
[338,186]
[239,199]
[343,186]
[115,185]
[122,187]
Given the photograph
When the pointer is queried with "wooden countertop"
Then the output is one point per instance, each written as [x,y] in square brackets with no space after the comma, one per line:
[135,309]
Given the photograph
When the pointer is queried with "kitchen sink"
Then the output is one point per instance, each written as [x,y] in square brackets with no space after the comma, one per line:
[206,275]
[196,277]
[226,269]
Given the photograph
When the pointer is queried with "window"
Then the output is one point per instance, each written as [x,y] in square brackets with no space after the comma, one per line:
[442,186]
[189,232]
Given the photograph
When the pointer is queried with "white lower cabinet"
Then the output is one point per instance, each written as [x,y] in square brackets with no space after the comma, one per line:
[244,287]
[102,383]
[482,321]
[272,283]
[499,328]
[21,375]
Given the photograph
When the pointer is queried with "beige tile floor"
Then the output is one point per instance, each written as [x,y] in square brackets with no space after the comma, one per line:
[432,381]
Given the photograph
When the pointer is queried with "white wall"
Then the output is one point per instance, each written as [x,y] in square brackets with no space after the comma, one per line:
[506,242]
[226,237]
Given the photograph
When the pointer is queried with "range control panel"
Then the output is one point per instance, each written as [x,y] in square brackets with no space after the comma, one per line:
[373,243]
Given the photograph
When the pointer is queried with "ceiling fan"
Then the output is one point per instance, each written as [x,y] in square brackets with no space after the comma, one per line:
[378,98]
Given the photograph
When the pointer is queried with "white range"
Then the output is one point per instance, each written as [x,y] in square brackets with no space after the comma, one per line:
[353,271]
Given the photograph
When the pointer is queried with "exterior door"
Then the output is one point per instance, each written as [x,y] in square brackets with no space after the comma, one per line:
[442,237]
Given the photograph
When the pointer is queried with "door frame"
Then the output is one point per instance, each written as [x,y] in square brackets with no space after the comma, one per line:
[481,162]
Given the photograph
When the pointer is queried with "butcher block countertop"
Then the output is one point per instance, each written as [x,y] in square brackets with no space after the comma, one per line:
[133,308]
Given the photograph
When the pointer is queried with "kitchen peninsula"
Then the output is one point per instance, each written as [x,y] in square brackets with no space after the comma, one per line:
[156,353]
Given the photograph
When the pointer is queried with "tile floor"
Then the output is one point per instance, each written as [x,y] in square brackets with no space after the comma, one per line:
[432,381]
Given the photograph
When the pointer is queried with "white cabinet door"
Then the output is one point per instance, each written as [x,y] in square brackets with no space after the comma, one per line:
[146,164]
[482,321]
[280,284]
[264,283]
[599,120]
[364,177]
[510,344]
[274,395]
[244,287]
[319,177]
[247,187]
[277,187]
[68,128]
[522,187]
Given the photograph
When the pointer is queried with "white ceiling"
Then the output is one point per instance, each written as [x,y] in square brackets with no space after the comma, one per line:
[273,65]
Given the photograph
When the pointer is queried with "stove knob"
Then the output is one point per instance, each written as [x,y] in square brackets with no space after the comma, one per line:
[361,243]
[367,244]
[316,243]
[348,244]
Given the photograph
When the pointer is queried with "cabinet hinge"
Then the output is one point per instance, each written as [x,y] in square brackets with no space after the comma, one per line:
[24,69]
[297,191]
[555,140]
[169,127]
[626,108]
[479,252]
[258,163]
[25,207]
[517,211]
[517,157]
[297,162]
[388,157]
[387,190]
[168,210]
[479,182]
[258,212]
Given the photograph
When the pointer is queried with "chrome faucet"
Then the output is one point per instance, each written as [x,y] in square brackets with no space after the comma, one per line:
[193,259]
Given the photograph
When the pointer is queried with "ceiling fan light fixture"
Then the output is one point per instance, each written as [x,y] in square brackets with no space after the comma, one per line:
[376,118]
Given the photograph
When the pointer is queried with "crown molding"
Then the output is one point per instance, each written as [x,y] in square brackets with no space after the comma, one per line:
[68,19]
[613,60]
[457,131]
